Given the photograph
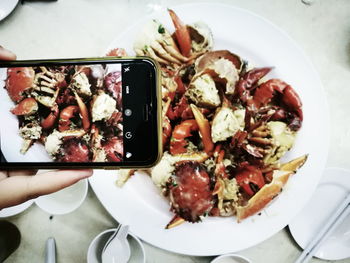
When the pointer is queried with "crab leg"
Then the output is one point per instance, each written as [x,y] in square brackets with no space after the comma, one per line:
[204,128]
[172,51]
[44,89]
[152,54]
[163,53]
[175,221]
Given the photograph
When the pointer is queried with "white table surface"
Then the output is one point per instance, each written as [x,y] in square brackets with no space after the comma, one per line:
[83,28]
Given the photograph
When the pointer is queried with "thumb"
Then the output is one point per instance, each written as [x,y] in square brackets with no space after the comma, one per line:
[18,189]
[6,54]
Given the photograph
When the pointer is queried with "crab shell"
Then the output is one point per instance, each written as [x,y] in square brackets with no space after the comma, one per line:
[18,81]
[191,197]
[271,190]
[201,37]
[209,58]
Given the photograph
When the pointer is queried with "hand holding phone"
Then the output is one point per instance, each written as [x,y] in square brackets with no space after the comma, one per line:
[19,186]
[100,113]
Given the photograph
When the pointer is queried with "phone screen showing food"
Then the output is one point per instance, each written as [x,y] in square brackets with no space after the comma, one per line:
[79,112]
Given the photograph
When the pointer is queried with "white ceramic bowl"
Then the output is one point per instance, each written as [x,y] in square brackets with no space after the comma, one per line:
[137,254]
[231,258]
[64,201]
[15,210]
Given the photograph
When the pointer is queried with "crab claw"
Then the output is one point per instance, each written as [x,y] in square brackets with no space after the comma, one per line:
[182,34]
[204,129]
[50,120]
[27,106]
[65,117]
[271,190]
[18,81]
[181,131]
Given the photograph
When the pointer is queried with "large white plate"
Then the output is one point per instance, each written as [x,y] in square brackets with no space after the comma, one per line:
[332,190]
[139,204]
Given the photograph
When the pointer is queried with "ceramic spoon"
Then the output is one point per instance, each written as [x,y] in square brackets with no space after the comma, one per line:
[117,249]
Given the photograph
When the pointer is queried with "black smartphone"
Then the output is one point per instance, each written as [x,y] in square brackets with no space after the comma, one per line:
[80,113]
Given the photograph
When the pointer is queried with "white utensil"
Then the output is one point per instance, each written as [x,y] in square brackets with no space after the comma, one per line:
[137,255]
[117,249]
[50,251]
[333,222]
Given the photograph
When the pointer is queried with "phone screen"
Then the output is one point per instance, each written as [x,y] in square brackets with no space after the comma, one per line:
[79,112]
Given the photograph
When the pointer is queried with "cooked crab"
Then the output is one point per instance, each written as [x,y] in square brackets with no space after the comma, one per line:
[155,41]
[46,86]
[102,106]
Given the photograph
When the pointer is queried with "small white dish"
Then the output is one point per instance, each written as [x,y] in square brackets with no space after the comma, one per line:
[137,255]
[333,188]
[15,210]
[6,7]
[64,201]
[230,258]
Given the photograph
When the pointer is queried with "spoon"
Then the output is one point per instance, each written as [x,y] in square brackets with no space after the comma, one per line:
[117,249]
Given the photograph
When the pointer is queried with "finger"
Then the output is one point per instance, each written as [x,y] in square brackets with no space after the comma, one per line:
[6,54]
[22,172]
[18,189]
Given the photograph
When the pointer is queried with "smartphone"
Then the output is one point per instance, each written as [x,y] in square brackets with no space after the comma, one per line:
[80,113]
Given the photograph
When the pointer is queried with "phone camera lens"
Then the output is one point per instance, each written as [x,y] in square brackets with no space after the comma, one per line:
[128,112]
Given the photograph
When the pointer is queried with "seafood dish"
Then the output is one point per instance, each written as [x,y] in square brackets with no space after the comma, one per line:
[74,111]
[226,126]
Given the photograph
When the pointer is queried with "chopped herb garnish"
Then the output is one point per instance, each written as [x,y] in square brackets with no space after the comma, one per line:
[161,29]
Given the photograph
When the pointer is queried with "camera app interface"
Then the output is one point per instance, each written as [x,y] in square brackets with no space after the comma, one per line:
[62,113]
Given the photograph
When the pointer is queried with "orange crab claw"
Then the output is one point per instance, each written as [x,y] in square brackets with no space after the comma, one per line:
[27,106]
[83,111]
[175,221]
[204,129]
[180,133]
[65,116]
[182,35]
[18,81]
[50,120]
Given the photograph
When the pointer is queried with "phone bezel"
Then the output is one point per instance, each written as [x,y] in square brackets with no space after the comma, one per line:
[108,165]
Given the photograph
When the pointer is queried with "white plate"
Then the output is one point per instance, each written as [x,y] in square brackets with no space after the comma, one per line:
[6,7]
[333,188]
[139,204]
[64,201]
[15,210]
